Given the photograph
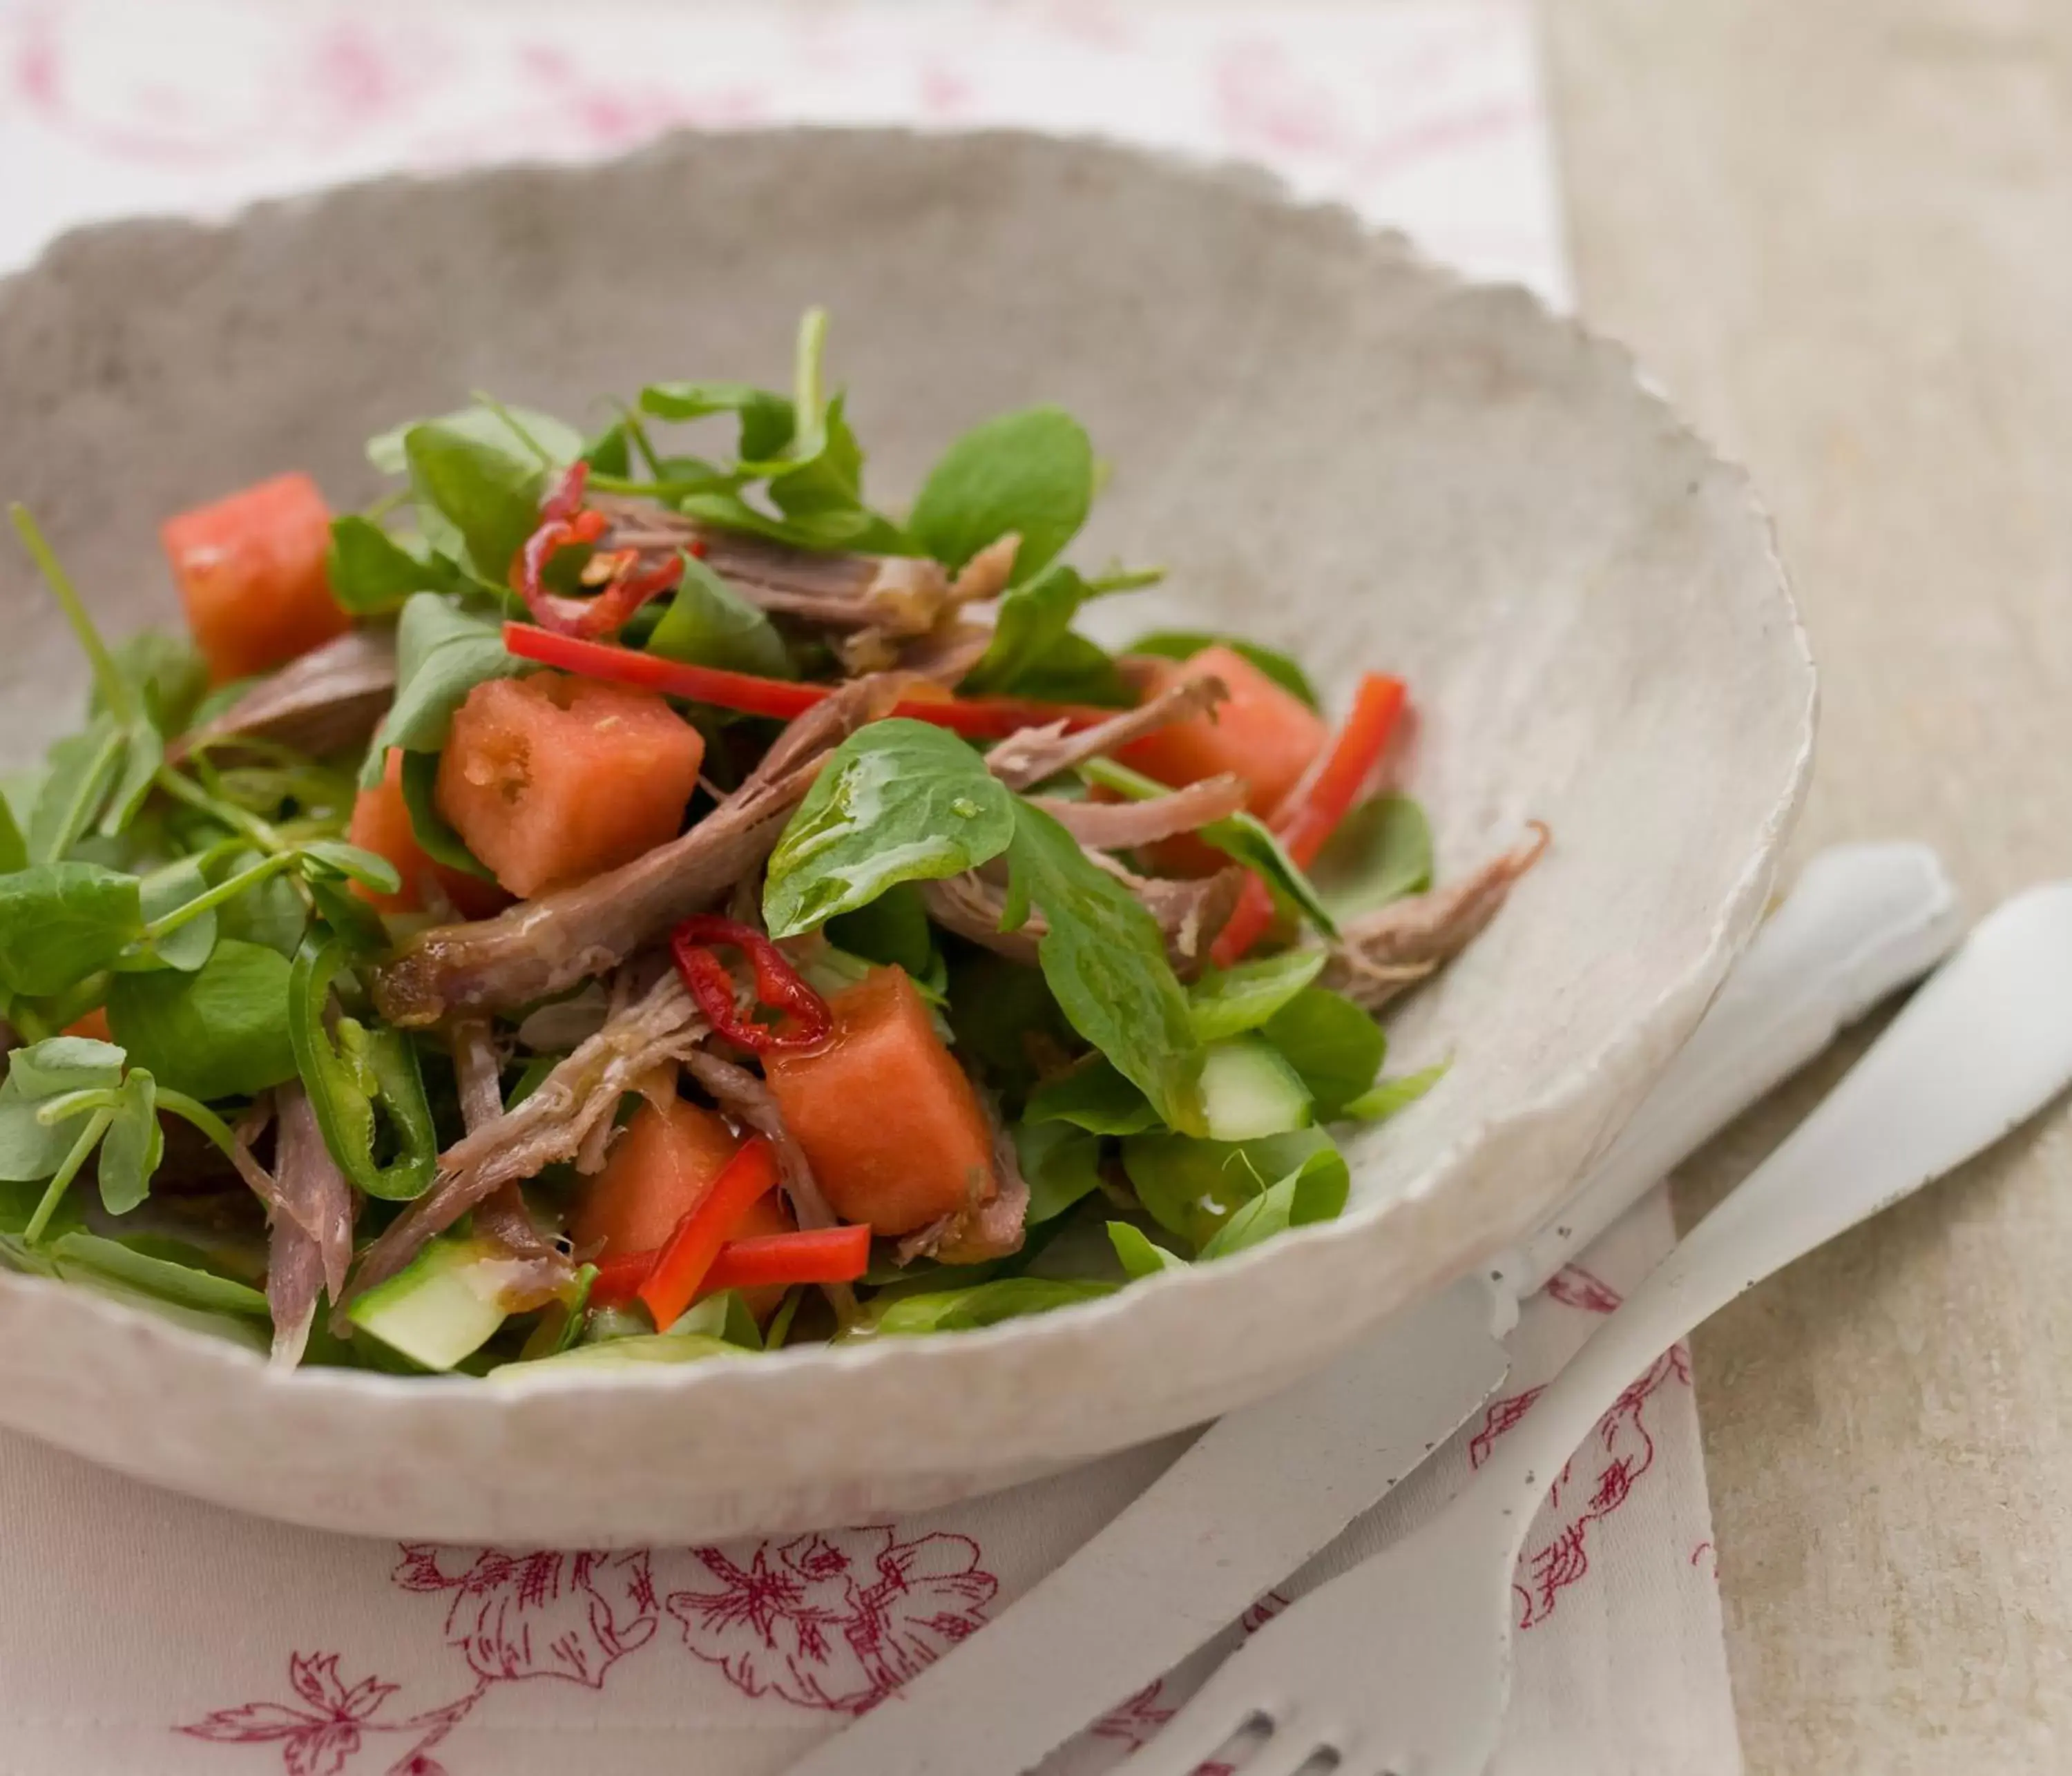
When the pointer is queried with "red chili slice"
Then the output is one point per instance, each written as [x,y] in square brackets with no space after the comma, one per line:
[565,522]
[808,1024]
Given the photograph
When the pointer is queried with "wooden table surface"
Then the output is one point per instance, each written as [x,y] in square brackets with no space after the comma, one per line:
[1841,235]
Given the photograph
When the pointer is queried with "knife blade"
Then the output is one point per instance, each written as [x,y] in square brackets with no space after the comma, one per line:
[1265,1488]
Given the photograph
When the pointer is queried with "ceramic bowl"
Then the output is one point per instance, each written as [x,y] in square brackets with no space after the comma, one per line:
[1332,447]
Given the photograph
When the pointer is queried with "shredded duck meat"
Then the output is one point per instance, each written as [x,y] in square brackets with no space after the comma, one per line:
[1189,914]
[1121,826]
[332,697]
[298,1264]
[1023,760]
[749,1101]
[542,946]
[1388,950]
[547,1128]
[502,1215]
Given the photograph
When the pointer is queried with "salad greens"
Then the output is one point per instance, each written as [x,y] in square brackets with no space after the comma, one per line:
[724,844]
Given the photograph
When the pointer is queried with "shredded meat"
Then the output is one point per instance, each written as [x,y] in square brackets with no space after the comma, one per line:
[502,1215]
[748,1100]
[332,697]
[1023,760]
[548,1126]
[247,1130]
[1388,950]
[1121,826]
[985,576]
[992,1227]
[298,1264]
[542,946]
[1189,914]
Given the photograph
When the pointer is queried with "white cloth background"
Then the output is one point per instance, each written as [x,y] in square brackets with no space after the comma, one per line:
[141,1632]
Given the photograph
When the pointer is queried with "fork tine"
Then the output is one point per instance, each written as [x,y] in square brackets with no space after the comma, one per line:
[1217,1712]
[1288,1754]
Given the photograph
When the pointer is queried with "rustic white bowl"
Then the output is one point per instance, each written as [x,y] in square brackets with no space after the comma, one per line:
[1331,446]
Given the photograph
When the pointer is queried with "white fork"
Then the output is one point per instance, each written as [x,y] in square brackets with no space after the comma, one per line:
[1402,1667]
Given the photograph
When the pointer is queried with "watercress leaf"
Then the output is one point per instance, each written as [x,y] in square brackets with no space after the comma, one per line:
[384,449]
[83,770]
[1184,643]
[1228,1002]
[826,474]
[358,926]
[187,1285]
[1060,1164]
[611,451]
[982,1304]
[373,572]
[640,1348]
[1073,670]
[484,482]
[1030,472]
[1381,852]
[185,946]
[443,653]
[1315,1190]
[708,624]
[270,912]
[1094,1097]
[134,1145]
[221,1032]
[13,848]
[894,929]
[1105,961]
[897,801]
[1192,1187]
[144,750]
[1335,1046]
[1033,621]
[168,674]
[725,1316]
[1005,1016]
[1137,1255]
[836,527]
[766,418]
[433,833]
[369,869]
[61,922]
[1390,1096]
[31,1150]
[64,1063]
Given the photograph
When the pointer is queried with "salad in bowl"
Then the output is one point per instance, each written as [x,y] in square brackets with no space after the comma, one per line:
[622,898]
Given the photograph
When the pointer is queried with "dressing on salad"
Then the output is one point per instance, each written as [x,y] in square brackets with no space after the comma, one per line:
[604,904]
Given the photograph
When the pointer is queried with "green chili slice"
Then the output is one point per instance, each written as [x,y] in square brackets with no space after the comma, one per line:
[350,1072]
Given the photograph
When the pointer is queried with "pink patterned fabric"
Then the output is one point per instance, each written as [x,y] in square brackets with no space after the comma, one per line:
[142,1632]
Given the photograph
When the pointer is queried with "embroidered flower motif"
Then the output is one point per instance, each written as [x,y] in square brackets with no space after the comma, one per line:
[545,1614]
[316,1739]
[1573,1286]
[1134,1722]
[835,1621]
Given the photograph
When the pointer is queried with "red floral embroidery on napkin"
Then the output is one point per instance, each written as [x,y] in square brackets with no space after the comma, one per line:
[318,1738]
[544,1614]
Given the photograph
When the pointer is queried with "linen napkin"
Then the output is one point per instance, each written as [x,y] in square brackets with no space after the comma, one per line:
[143,1632]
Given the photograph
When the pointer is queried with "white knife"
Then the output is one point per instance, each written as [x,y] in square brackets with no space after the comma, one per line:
[1265,1488]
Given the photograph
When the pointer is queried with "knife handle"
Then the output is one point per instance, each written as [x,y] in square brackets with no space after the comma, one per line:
[1862,921]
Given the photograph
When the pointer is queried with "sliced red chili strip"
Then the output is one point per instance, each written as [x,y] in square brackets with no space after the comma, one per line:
[809,1022]
[618,1280]
[680,1266]
[820,1255]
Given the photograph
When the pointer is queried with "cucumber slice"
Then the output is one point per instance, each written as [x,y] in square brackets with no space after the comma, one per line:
[444,1307]
[629,1353]
[1249,1089]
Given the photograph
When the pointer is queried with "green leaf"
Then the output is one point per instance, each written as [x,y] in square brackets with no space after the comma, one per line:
[166,672]
[708,624]
[31,1149]
[219,1033]
[894,929]
[354,862]
[1105,961]
[724,1316]
[1031,639]
[1316,1191]
[83,770]
[1381,852]
[61,922]
[1229,1002]
[898,801]
[389,453]
[433,833]
[1392,1095]
[611,451]
[358,926]
[1184,643]
[58,1064]
[1094,1097]
[837,527]
[134,1145]
[766,419]
[1060,1164]
[470,472]
[1138,1256]
[1192,1187]
[13,848]
[443,653]
[1073,670]
[373,572]
[270,912]
[1335,1046]
[1243,837]
[1005,1015]
[671,1346]
[143,751]
[187,1285]
[1030,472]
[981,1305]
[185,946]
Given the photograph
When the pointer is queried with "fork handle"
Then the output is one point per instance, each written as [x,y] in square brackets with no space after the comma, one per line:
[1978,1051]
